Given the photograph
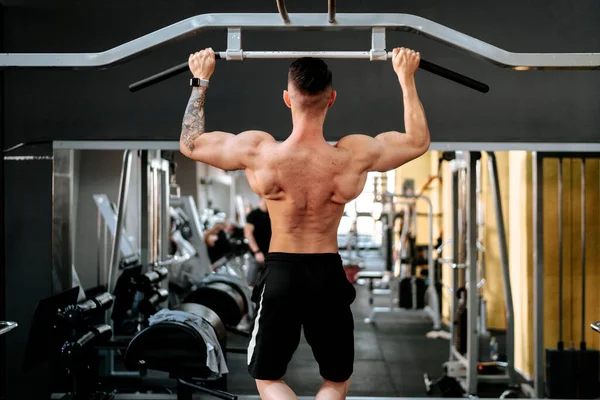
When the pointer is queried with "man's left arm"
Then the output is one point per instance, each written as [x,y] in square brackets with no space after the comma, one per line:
[219,149]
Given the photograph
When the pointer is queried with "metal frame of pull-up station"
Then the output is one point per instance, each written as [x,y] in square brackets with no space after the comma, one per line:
[377,23]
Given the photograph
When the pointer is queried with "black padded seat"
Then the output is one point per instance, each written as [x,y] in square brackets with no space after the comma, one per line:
[175,347]
[222,299]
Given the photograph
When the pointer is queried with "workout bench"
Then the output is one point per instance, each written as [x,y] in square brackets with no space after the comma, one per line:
[178,349]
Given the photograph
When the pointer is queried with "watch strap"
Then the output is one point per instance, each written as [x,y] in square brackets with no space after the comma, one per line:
[197,82]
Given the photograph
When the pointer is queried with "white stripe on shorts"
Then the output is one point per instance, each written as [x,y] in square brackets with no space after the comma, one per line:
[252,343]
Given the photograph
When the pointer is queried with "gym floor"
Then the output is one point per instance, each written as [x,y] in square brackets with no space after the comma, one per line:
[391,355]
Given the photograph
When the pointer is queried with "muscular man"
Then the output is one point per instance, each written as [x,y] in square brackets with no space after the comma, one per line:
[306,182]
[258,233]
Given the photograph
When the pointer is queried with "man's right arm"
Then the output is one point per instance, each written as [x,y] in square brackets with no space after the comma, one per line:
[390,150]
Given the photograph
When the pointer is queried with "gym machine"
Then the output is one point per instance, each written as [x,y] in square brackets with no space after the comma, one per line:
[432,309]
[196,278]
[136,277]
[139,292]
[465,368]
[569,372]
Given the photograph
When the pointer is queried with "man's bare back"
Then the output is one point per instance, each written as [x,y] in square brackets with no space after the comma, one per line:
[306,186]
[307,183]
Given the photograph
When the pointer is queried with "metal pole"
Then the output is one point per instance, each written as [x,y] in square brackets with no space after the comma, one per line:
[434,301]
[144,206]
[105,254]
[274,55]
[472,310]
[331,11]
[151,210]
[538,274]
[283,11]
[455,253]
[165,219]
[508,299]
[155,208]
[482,318]
[99,269]
[121,209]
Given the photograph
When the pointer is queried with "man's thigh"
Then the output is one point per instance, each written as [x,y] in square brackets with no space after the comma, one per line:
[330,333]
[277,328]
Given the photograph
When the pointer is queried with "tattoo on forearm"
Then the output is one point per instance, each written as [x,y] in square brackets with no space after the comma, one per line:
[193,119]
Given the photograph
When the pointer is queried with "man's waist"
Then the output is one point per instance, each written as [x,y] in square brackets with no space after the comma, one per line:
[303,243]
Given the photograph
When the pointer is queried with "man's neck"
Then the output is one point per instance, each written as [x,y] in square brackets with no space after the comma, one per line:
[308,127]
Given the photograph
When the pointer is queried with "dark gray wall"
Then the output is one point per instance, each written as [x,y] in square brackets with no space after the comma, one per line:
[522,106]
[28,250]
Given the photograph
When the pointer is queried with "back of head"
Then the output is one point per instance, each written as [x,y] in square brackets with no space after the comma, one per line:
[311,81]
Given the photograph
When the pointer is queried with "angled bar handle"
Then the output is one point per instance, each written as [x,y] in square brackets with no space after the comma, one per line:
[424,65]
[162,76]
[453,76]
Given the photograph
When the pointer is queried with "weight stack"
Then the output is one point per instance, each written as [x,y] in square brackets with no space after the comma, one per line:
[588,362]
[561,375]
[405,288]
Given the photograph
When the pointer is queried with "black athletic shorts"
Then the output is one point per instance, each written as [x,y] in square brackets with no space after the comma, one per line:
[309,291]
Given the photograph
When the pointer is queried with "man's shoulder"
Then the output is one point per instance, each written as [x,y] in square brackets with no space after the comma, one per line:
[354,140]
[257,136]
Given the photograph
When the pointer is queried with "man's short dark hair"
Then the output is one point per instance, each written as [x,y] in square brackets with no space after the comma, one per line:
[310,75]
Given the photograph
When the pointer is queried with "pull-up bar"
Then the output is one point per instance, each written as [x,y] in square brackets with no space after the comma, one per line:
[424,65]
[378,23]
[398,22]
[377,53]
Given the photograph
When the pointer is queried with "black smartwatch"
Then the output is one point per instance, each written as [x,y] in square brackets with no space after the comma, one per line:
[197,82]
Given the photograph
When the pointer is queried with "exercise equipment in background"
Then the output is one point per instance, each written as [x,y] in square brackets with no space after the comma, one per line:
[180,350]
[571,373]
[398,286]
[470,363]
[68,334]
